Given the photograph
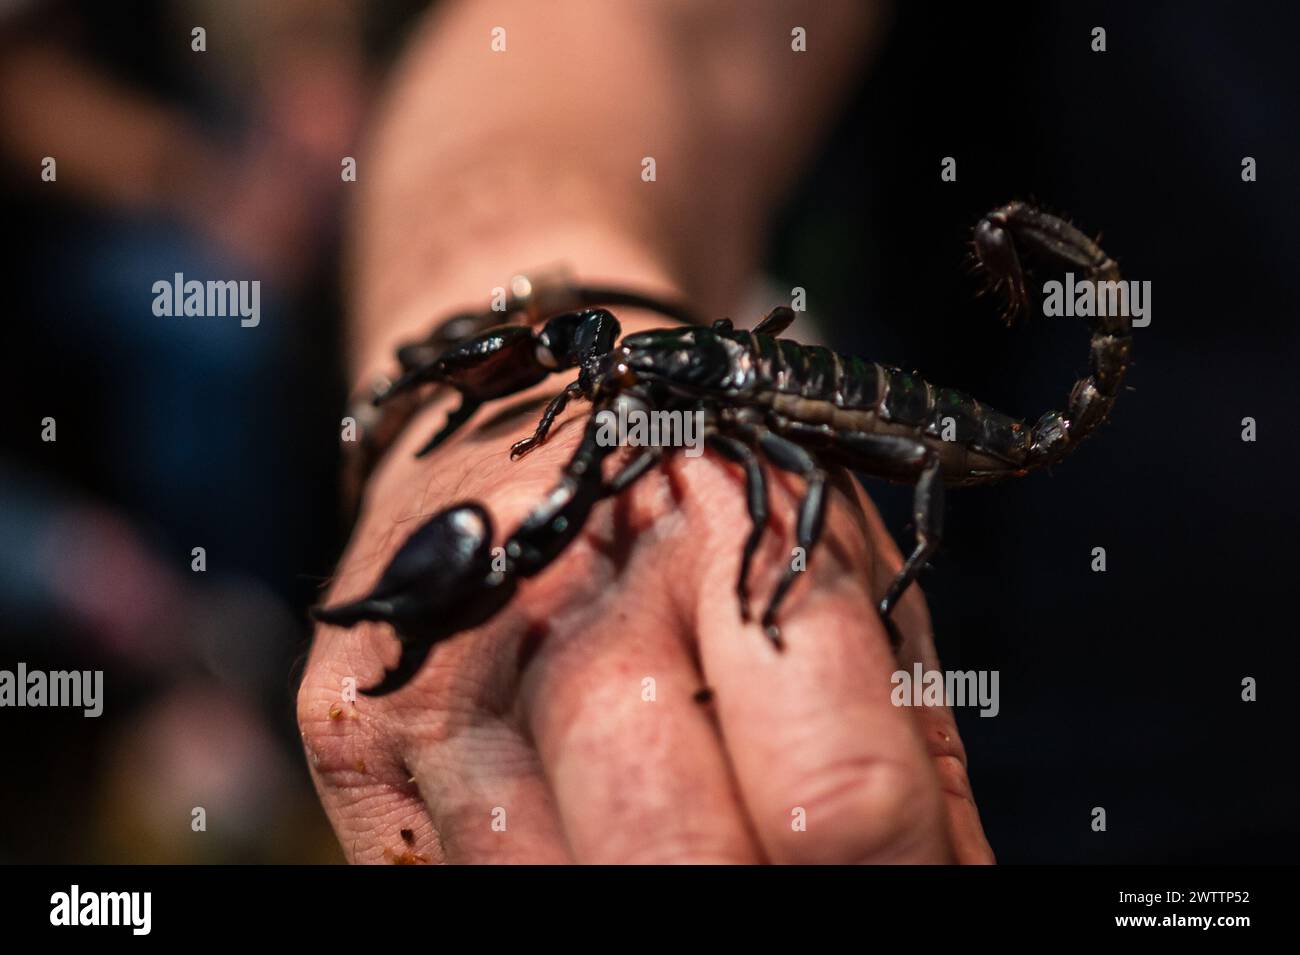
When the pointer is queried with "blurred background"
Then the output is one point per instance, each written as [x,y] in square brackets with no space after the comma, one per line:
[1120,690]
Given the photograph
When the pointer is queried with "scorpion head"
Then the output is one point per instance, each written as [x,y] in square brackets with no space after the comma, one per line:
[583,340]
[576,339]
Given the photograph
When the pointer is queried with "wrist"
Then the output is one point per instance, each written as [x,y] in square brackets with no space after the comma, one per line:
[405,303]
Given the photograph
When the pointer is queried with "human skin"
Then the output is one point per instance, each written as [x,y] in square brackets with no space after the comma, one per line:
[541,719]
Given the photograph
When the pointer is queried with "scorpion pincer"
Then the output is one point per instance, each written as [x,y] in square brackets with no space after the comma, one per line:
[764,400]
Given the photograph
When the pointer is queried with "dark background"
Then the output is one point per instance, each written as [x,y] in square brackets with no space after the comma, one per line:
[1119,689]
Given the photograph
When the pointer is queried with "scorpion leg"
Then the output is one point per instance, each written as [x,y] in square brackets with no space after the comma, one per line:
[756,500]
[558,520]
[927,512]
[557,405]
[499,362]
[897,458]
[788,456]
[635,469]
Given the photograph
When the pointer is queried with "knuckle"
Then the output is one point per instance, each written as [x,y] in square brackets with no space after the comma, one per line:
[339,742]
[312,706]
[323,743]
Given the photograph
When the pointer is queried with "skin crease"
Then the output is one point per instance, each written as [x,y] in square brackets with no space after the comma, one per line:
[537,718]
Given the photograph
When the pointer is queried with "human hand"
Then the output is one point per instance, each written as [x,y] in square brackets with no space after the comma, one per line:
[566,728]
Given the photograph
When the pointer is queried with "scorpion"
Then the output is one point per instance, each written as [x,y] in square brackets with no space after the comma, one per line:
[800,408]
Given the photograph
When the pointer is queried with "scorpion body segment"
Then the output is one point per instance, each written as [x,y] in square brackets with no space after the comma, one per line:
[819,398]
[764,399]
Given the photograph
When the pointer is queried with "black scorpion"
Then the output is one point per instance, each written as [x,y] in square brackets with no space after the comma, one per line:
[801,408]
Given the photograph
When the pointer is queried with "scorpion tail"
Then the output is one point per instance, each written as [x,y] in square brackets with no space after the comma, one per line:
[1017,229]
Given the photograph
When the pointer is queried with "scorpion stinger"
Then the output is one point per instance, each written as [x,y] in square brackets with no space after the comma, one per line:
[1059,244]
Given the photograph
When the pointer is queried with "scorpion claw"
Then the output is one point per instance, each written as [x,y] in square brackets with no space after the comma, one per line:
[350,614]
[453,424]
[412,377]
[439,583]
[408,664]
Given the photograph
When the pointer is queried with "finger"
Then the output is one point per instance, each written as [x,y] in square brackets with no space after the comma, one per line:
[487,795]
[937,725]
[376,812]
[636,765]
[479,777]
[431,774]
[469,780]
[830,770]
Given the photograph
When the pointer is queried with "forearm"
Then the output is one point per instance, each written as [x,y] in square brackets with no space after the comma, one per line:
[486,162]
